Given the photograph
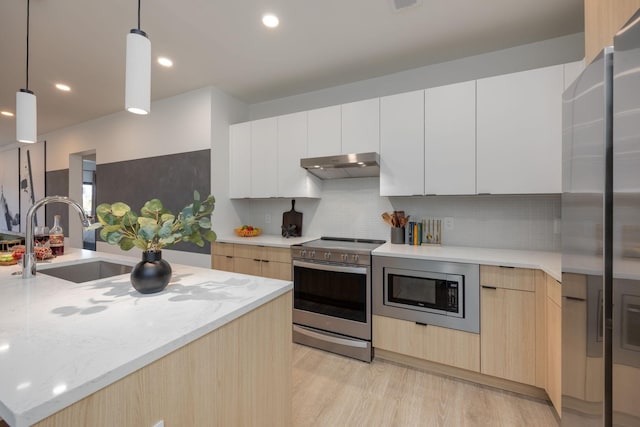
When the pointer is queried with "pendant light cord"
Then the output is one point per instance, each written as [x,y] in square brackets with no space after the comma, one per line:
[138,14]
[28,9]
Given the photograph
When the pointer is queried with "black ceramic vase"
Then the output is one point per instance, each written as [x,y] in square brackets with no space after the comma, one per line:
[152,274]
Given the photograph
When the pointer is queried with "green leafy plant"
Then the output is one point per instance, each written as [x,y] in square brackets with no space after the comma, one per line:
[156,227]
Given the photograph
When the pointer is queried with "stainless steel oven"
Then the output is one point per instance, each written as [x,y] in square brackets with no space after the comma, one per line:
[427,292]
[332,295]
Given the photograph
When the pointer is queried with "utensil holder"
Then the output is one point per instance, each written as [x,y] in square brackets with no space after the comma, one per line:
[397,235]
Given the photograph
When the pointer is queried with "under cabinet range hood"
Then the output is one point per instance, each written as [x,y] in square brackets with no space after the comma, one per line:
[359,165]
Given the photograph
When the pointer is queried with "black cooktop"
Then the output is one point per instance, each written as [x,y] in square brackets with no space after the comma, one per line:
[343,244]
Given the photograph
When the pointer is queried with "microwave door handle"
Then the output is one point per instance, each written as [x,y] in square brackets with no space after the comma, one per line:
[334,268]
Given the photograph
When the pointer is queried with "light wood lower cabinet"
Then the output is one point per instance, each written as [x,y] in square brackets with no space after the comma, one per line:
[432,343]
[508,334]
[265,261]
[513,324]
[554,343]
[237,375]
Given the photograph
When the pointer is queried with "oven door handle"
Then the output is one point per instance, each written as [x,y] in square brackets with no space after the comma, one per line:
[330,267]
[329,338]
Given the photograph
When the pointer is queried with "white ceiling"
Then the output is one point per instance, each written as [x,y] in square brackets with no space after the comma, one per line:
[319,44]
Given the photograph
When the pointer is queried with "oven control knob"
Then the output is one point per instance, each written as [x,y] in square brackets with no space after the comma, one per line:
[312,254]
[327,255]
[345,257]
[303,253]
[355,257]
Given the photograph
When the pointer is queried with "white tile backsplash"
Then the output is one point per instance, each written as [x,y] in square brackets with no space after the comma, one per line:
[352,208]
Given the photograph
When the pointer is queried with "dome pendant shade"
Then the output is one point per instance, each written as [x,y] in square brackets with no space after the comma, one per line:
[138,74]
[26,116]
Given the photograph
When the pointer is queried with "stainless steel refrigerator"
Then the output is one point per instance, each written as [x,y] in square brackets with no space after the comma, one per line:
[601,238]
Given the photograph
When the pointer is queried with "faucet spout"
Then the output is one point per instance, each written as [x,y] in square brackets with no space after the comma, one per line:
[29,258]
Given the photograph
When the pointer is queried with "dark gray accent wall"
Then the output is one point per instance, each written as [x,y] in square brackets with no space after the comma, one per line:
[57,184]
[171,178]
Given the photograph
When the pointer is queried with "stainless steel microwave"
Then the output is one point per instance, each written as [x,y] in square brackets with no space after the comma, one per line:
[445,294]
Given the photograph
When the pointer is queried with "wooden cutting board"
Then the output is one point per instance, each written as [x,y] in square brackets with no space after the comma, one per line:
[292,218]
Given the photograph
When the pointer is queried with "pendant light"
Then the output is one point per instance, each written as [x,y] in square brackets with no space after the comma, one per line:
[137,98]
[26,110]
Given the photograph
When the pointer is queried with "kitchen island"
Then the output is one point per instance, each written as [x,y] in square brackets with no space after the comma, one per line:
[213,348]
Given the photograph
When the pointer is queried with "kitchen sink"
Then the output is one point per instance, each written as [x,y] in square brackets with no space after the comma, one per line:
[87,271]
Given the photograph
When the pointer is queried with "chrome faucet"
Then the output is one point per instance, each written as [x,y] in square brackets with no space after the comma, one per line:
[29,259]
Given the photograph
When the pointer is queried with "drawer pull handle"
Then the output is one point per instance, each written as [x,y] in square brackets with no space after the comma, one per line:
[575,298]
[488,287]
[265,260]
[256,259]
[421,324]
[229,256]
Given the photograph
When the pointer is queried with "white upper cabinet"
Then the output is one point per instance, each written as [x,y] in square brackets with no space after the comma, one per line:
[325,131]
[571,72]
[519,132]
[450,139]
[240,160]
[361,126]
[264,158]
[402,144]
[294,181]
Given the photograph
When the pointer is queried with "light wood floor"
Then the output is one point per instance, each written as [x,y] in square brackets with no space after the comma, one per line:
[335,391]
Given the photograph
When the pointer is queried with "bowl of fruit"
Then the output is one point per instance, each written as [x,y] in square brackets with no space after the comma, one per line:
[8,258]
[248,231]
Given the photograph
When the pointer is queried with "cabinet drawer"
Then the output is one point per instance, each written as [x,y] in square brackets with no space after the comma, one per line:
[277,254]
[433,343]
[521,279]
[248,251]
[220,248]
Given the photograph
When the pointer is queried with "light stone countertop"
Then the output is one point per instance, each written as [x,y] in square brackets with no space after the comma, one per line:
[549,262]
[62,341]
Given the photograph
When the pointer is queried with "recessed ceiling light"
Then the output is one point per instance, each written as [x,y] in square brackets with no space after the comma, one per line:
[165,62]
[270,20]
[63,87]
[7,113]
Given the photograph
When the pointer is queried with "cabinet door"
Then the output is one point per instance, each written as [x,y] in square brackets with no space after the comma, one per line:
[252,266]
[294,181]
[325,131]
[519,128]
[508,334]
[402,144]
[223,262]
[361,126]
[264,158]
[450,139]
[240,160]
[276,270]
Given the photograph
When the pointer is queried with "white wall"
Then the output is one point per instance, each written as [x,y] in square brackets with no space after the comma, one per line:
[176,125]
[353,208]
[541,54]
[192,121]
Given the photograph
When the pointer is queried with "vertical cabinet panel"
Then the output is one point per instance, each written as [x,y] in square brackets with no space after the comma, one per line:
[402,144]
[325,131]
[240,160]
[519,132]
[450,139]
[294,181]
[508,334]
[264,158]
[360,126]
